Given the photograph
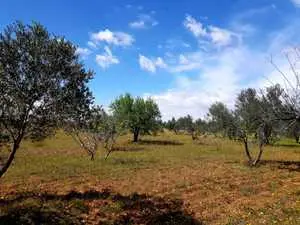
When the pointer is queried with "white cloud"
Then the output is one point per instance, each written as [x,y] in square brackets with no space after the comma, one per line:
[296,2]
[186,62]
[139,24]
[114,38]
[220,77]
[222,74]
[160,63]
[210,35]
[147,64]
[143,21]
[151,65]
[194,26]
[220,37]
[83,52]
[106,59]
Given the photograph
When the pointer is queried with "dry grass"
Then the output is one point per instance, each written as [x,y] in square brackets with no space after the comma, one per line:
[182,181]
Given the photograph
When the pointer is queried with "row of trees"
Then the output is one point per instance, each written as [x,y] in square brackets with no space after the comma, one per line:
[44,87]
[264,116]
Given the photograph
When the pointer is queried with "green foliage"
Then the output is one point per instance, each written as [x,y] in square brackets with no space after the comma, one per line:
[42,83]
[185,123]
[248,110]
[221,119]
[171,125]
[136,114]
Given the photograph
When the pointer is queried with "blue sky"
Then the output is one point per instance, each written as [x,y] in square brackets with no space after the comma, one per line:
[184,54]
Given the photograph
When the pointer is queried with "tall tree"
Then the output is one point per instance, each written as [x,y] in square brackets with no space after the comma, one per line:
[42,84]
[255,118]
[136,114]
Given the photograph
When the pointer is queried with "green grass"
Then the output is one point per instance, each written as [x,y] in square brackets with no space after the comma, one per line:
[209,175]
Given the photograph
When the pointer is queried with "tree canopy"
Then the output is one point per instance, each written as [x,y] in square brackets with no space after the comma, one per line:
[136,114]
[42,84]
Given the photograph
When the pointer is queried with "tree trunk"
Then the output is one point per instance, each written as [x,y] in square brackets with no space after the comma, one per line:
[10,159]
[108,153]
[92,157]
[259,155]
[247,149]
[136,135]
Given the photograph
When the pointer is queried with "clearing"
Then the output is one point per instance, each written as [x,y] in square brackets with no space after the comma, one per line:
[166,179]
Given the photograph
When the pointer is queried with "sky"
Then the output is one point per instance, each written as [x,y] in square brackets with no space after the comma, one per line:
[185,55]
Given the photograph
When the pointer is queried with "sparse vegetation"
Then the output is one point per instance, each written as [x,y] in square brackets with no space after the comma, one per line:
[214,184]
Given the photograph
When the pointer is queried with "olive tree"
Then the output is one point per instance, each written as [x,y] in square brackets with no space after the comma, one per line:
[248,111]
[91,128]
[185,123]
[42,84]
[221,119]
[84,129]
[136,114]
[256,118]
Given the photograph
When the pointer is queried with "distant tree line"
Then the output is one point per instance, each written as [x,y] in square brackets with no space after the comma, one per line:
[264,116]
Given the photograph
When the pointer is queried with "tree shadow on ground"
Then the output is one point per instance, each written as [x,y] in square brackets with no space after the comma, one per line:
[159,142]
[93,207]
[128,149]
[291,145]
[292,166]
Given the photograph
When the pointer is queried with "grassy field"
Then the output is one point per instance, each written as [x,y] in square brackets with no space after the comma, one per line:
[166,179]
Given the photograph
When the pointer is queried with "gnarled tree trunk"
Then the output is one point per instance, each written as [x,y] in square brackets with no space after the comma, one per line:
[256,161]
[10,158]
[246,147]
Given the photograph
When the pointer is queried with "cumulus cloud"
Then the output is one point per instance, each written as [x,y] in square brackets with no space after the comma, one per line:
[106,59]
[222,74]
[113,38]
[83,52]
[219,79]
[143,21]
[151,65]
[214,35]
[194,26]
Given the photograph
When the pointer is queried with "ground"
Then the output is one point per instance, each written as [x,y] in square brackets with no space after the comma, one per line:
[166,179]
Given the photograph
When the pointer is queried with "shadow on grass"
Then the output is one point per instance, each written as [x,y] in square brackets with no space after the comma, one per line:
[131,161]
[128,149]
[159,142]
[93,207]
[288,165]
[290,145]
